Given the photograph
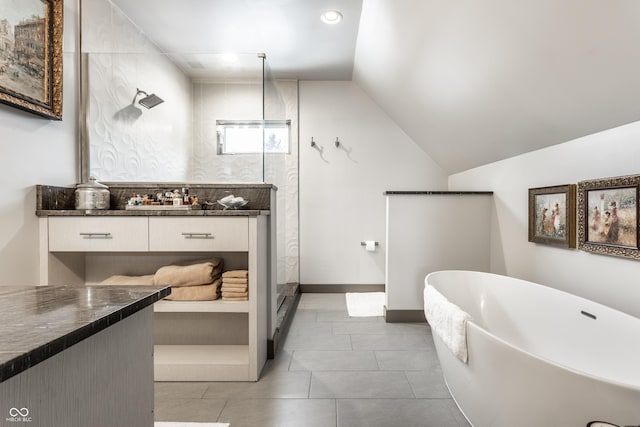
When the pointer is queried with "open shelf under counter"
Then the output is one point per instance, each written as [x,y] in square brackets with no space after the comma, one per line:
[201,363]
[216,306]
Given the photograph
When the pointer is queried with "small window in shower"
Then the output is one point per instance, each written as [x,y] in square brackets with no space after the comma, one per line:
[250,137]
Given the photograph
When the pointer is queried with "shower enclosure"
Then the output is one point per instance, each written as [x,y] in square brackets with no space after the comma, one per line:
[208,118]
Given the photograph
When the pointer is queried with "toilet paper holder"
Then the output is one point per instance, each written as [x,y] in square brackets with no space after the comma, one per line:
[365,243]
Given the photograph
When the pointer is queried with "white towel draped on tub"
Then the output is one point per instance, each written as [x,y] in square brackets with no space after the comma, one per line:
[447,321]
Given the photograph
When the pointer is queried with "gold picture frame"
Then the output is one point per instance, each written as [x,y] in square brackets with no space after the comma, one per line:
[552,215]
[31,56]
[608,216]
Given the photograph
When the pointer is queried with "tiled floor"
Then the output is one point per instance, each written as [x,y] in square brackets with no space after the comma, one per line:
[332,371]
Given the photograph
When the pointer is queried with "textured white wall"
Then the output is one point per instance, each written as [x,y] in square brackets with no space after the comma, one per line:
[127,141]
[341,201]
[35,151]
[608,280]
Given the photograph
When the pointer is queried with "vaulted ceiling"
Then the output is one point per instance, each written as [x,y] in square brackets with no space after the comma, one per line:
[471,82]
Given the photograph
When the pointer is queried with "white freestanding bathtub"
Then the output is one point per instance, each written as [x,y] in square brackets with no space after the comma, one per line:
[539,356]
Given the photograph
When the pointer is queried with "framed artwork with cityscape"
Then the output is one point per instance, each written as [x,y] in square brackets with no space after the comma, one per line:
[31,56]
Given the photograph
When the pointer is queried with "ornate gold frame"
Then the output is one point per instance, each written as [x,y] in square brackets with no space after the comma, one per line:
[51,106]
[584,187]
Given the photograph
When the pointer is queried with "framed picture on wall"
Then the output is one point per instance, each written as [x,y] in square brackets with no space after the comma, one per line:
[31,56]
[608,216]
[552,215]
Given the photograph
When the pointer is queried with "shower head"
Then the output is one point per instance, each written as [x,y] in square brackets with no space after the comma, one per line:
[149,101]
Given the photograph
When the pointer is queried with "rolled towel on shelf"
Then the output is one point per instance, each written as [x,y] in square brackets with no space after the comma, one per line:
[238,274]
[195,293]
[119,280]
[192,273]
[447,321]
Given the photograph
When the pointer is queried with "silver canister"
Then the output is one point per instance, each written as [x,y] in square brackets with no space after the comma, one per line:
[92,195]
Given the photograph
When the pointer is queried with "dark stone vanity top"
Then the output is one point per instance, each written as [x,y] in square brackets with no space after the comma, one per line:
[124,212]
[37,322]
[60,201]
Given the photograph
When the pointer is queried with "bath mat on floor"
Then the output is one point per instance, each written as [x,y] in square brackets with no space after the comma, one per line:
[365,304]
[187,424]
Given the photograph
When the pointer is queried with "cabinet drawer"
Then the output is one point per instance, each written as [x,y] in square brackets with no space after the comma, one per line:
[98,234]
[198,234]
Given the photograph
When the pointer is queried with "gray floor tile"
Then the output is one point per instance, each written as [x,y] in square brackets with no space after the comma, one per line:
[323,360]
[322,302]
[407,360]
[391,342]
[342,315]
[202,410]
[359,385]
[180,390]
[281,361]
[273,384]
[455,411]
[340,328]
[428,384]
[315,328]
[395,412]
[319,342]
[280,413]
[302,316]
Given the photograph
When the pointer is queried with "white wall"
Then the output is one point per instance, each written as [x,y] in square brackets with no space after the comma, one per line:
[35,151]
[608,280]
[341,201]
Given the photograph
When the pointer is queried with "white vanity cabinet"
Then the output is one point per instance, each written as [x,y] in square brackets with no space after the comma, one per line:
[194,341]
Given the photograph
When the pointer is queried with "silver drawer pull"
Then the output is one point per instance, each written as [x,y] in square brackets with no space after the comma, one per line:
[103,235]
[197,235]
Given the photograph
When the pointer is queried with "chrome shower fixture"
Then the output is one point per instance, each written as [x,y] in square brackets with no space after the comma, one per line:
[149,101]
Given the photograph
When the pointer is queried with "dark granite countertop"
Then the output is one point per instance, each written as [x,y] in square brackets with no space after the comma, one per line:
[37,322]
[124,212]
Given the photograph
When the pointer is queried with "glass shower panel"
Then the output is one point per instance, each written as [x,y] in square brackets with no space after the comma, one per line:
[275,170]
[176,140]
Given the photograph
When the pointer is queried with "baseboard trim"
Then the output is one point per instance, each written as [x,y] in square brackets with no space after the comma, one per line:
[336,289]
[404,316]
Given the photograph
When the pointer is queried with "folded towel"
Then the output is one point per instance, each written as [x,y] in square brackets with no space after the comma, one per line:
[195,293]
[235,299]
[242,274]
[447,321]
[235,288]
[192,273]
[118,280]
[234,280]
[234,294]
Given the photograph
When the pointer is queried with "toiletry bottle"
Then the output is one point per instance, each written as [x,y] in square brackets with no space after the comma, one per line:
[177,198]
[185,196]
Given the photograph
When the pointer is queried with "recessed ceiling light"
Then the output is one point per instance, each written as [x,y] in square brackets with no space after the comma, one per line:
[331,17]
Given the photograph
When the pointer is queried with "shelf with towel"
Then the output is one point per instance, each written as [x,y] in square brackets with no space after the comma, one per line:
[217,306]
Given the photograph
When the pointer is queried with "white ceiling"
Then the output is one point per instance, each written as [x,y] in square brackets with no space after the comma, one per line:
[473,82]
[298,45]
[469,81]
